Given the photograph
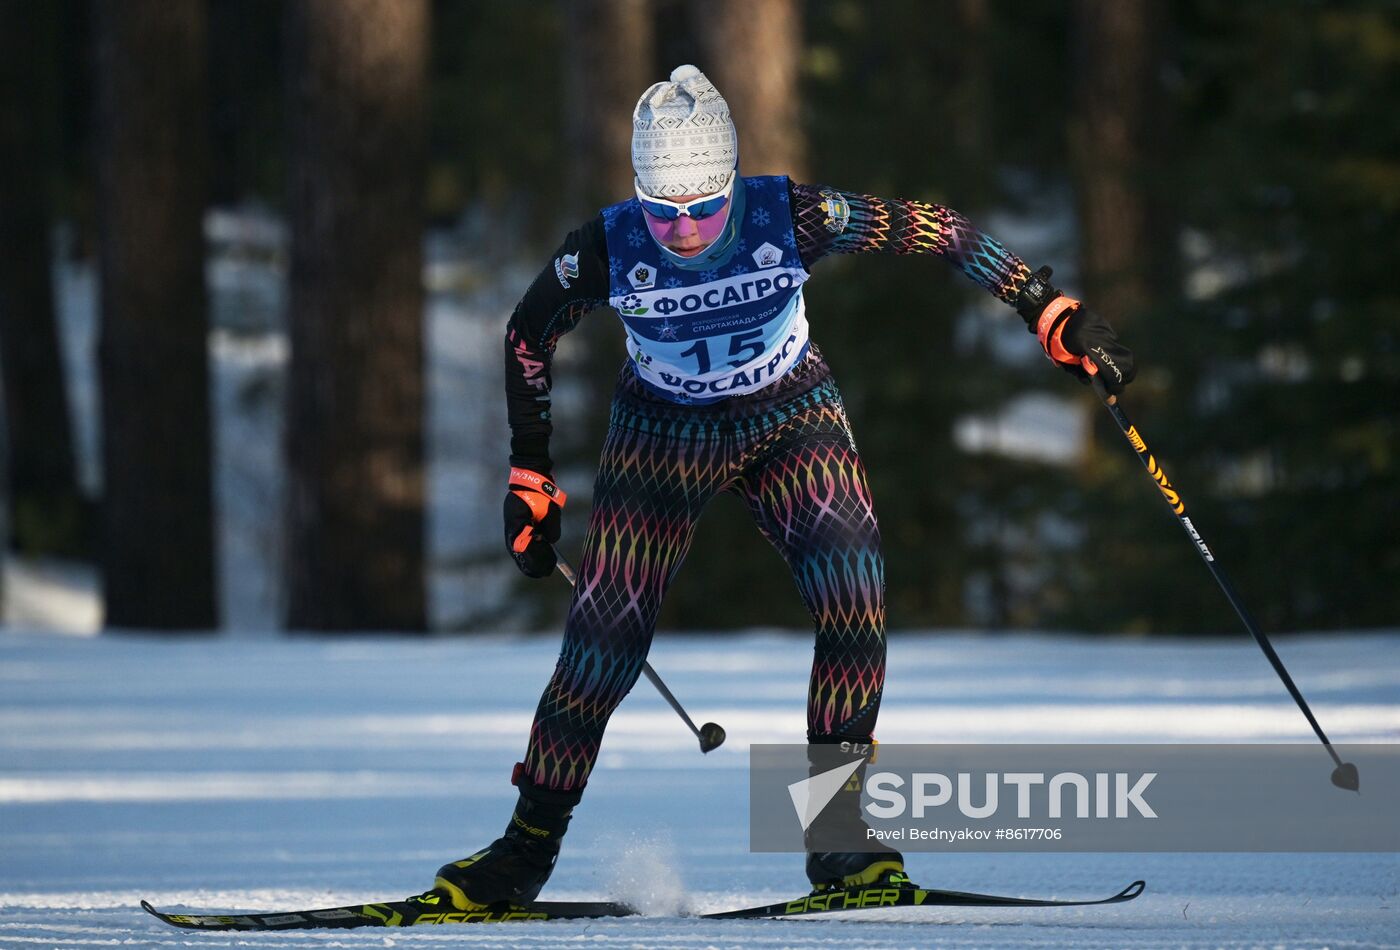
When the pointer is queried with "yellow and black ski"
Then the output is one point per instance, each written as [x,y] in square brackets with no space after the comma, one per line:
[432,909]
[426,909]
[869,898]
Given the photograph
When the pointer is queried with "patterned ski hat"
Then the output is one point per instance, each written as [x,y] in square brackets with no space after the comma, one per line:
[683,140]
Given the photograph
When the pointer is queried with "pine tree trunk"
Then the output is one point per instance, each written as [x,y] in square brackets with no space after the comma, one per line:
[609,47]
[1112,136]
[158,544]
[971,94]
[45,505]
[609,50]
[353,444]
[753,52]
[1116,130]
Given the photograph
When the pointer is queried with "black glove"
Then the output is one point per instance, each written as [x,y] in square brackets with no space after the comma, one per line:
[532,512]
[1076,339]
[1091,338]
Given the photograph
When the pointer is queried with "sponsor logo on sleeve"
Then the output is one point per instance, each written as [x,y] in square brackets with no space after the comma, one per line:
[838,210]
[566,269]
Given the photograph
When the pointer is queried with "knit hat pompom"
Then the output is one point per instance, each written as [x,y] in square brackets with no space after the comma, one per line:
[683,140]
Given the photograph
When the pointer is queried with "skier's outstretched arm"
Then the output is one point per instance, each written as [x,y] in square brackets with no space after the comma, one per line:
[830,221]
[572,284]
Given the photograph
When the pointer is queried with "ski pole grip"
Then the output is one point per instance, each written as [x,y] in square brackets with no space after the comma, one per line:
[538,493]
[1097,382]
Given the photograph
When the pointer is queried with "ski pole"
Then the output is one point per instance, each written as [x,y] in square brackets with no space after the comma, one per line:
[1345,774]
[711,734]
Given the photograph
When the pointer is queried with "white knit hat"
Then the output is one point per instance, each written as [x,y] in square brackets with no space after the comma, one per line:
[683,141]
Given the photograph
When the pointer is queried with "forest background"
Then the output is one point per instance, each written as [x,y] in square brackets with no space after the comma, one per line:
[1221,180]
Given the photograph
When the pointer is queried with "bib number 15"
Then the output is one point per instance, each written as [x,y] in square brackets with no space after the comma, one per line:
[744,347]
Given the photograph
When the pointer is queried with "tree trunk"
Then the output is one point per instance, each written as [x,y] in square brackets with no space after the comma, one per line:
[1116,130]
[753,52]
[609,66]
[1118,147]
[609,48]
[355,403]
[1111,140]
[971,93]
[45,505]
[158,545]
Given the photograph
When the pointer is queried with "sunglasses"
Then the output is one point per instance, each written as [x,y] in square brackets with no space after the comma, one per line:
[697,210]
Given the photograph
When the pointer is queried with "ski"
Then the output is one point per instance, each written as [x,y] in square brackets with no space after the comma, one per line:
[427,909]
[413,912]
[868,898]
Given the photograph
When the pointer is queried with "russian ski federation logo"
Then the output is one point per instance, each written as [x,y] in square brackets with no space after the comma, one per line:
[811,795]
[767,256]
[565,268]
[642,276]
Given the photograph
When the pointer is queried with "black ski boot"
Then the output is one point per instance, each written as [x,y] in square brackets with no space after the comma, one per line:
[514,867]
[841,822]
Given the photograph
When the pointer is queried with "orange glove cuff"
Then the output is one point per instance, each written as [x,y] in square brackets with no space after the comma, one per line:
[1051,326]
[536,490]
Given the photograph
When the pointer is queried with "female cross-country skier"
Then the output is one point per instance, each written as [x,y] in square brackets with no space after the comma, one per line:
[722,391]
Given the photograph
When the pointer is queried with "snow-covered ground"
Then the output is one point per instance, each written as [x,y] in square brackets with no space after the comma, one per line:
[256,774]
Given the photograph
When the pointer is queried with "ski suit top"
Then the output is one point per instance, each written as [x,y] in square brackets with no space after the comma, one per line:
[730,321]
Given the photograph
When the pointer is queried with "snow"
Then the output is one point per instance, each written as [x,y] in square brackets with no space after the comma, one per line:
[258,773]
[51,595]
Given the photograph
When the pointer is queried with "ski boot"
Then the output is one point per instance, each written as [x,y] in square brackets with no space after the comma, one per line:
[514,867]
[841,822]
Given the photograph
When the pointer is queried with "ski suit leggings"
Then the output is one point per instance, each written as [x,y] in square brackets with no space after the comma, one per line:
[788,452]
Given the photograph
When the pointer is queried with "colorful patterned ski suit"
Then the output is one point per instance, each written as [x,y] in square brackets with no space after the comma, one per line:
[722,391]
